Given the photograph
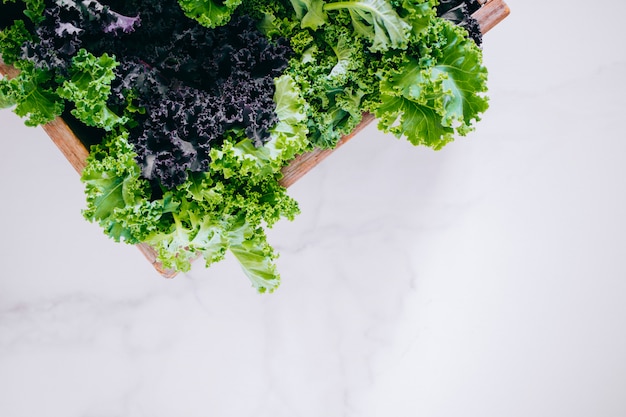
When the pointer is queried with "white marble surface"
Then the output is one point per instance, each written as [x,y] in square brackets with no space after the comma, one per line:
[484,280]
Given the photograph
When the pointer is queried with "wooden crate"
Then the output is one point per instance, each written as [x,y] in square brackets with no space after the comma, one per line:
[489,15]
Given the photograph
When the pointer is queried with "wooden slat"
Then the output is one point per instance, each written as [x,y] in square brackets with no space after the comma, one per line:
[67,142]
[151,255]
[488,16]
[60,133]
[7,70]
[307,161]
[492,13]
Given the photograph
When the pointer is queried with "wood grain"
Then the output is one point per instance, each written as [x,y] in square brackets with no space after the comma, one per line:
[307,161]
[488,16]
[7,70]
[60,133]
[68,143]
[151,255]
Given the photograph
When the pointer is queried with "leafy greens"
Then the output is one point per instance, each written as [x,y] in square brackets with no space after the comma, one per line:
[194,107]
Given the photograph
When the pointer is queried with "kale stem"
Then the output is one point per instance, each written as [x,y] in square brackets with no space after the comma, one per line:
[348,5]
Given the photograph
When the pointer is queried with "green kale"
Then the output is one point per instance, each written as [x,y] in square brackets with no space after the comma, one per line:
[33,92]
[118,199]
[5,100]
[199,121]
[11,40]
[311,13]
[224,209]
[436,92]
[377,21]
[33,9]
[88,86]
[209,13]
[334,75]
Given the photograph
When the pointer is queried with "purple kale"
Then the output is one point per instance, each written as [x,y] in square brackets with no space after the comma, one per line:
[195,86]
[69,26]
[248,105]
[118,22]
[184,86]
[460,12]
[59,39]
[176,136]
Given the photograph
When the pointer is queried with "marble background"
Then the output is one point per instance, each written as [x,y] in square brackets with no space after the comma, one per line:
[484,280]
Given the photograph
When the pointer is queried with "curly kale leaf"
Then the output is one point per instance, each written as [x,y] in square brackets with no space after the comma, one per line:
[11,40]
[33,9]
[209,13]
[255,255]
[33,92]
[419,14]
[225,209]
[429,100]
[182,127]
[186,116]
[5,100]
[40,98]
[116,23]
[333,74]
[208,215]
[375,20]
[176,136]
[118,199]
[289,137]
[99,17]
[88,87]
[54,65]
[68,26]
[217,215]
[57,40]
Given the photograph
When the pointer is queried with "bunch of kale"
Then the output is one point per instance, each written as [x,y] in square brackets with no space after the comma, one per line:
[194,107]
[177,85]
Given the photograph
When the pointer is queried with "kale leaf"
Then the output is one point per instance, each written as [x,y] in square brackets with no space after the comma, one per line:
[225,209]
[189,105]
[430,99]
